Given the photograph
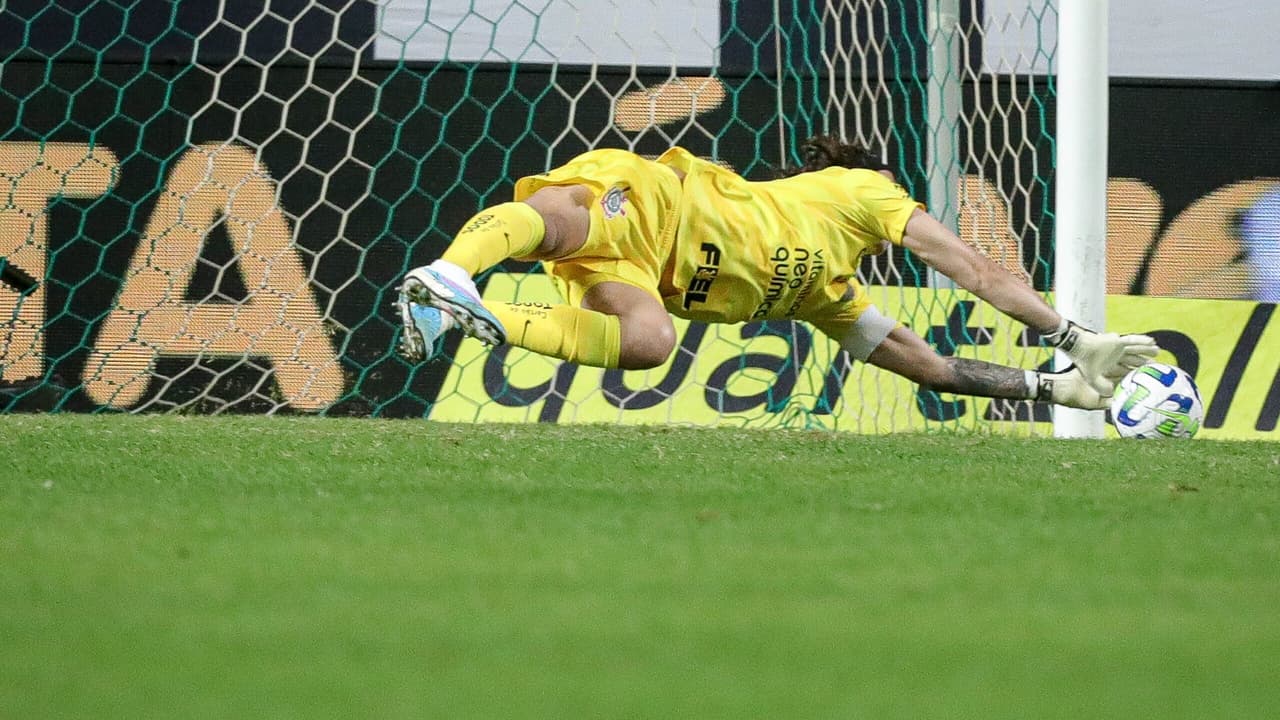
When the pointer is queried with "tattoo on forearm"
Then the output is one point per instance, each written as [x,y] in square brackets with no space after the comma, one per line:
[976,377]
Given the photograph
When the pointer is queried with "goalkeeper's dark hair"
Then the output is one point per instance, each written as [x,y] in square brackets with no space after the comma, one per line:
[823,151]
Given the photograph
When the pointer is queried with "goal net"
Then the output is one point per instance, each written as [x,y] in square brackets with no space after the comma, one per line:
[216,200]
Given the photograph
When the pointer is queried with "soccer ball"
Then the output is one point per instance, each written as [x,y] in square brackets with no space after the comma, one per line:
[1157,401]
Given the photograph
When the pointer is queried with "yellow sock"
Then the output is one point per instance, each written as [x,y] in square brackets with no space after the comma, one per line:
[511,229]
[581,336]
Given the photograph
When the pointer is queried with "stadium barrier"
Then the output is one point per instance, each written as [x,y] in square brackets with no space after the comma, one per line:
[787,375]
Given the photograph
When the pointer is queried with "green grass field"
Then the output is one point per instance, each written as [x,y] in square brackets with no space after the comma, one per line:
[174,567]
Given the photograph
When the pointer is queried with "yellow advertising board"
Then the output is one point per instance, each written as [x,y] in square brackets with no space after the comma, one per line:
[788,375]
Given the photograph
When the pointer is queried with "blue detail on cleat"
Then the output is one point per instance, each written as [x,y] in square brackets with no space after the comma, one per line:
[420,326]
[429,322]
[424,286]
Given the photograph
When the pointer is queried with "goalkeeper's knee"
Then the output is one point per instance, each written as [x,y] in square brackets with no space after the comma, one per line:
[646,342]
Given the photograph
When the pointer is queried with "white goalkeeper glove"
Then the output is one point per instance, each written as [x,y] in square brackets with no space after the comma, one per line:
[1068,387]
[1103,358]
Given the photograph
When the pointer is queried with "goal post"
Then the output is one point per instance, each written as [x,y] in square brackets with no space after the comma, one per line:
[1080,217]
[945,100]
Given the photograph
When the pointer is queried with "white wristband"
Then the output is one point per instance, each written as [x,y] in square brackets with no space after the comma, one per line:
[1032,378]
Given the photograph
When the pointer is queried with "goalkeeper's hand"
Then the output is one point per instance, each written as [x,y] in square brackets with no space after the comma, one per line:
[1103,358]
[1068,387]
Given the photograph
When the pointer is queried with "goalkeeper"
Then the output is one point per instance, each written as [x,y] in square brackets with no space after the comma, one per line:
[630,242]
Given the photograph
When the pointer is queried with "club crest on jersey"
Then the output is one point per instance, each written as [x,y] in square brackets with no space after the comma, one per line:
[612,203]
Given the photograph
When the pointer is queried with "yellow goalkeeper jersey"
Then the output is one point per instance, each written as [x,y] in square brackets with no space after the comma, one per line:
[784,248]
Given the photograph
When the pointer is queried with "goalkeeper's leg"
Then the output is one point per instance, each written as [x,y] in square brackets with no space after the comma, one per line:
[907,354]
[618,325]
[550,224]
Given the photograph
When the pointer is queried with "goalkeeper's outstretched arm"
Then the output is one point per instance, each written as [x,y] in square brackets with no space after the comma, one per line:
[907,354]
[1103,359]
[945,252]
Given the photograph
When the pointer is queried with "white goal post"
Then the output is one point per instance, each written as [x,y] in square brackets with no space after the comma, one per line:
[1080,266]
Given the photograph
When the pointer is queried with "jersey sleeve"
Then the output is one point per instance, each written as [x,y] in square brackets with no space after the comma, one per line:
[886,206]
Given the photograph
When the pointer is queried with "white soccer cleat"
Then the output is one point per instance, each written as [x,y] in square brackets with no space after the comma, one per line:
[424,286]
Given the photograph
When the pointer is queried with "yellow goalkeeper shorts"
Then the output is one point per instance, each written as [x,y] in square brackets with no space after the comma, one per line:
[634,214]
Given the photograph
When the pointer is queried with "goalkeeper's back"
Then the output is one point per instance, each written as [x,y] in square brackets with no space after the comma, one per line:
[780,243]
